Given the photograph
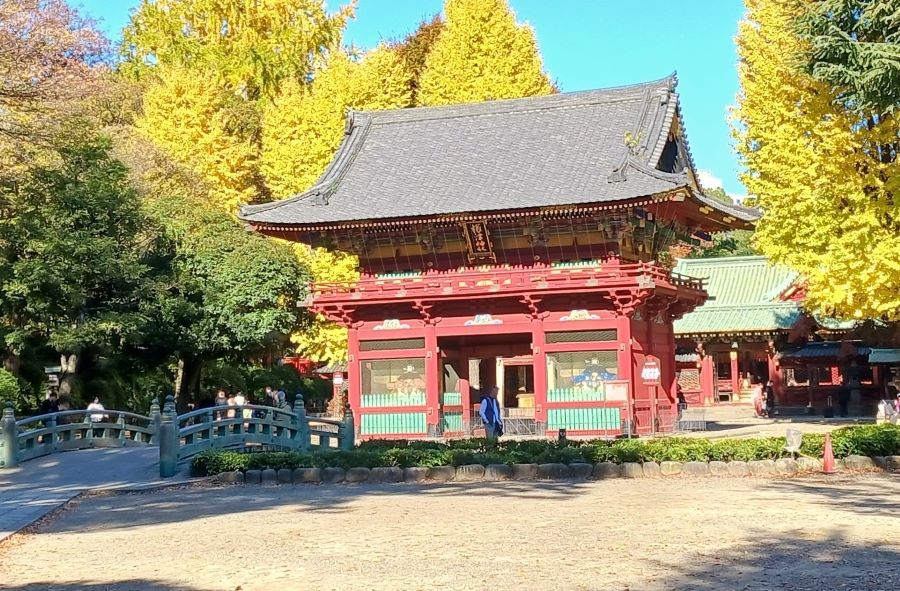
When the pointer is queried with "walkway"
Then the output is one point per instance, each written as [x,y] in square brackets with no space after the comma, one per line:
[734,534]
[39,486]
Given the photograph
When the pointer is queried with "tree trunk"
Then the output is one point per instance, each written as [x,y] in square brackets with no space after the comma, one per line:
[69,364]
[12,363]
[187,380]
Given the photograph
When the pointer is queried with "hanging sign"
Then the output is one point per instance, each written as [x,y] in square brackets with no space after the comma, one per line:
[650,372]
[478,241]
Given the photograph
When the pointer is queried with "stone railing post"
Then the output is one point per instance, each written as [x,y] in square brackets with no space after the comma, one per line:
[154,421]
[302,424]
[347,430]
[9,438]
[54,440]
[168,440]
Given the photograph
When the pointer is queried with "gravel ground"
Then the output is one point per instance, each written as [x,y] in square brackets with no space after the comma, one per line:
[812,533]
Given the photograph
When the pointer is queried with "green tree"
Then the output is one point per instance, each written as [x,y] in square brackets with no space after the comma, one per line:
[480,55]
[215,290]
[737,243]
[854,47]
[719,194]
[72,263]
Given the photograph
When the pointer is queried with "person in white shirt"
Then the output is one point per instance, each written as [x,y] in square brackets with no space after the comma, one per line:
[96,417]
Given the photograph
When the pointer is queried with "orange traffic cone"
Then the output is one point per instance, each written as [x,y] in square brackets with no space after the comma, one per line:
[828,456]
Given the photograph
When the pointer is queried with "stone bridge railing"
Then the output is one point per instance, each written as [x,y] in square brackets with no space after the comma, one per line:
[179,437]
[33,437]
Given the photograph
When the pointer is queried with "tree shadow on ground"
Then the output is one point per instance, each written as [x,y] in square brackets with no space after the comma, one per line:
[113,510]
[867,494]
[796,560]
[88,585]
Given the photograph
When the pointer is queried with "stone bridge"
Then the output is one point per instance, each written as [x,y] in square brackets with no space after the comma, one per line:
[121,450]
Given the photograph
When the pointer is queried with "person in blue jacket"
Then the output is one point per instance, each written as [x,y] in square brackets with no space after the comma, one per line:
[490,414]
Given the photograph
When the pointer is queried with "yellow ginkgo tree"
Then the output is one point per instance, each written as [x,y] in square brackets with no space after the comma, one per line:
[817,170]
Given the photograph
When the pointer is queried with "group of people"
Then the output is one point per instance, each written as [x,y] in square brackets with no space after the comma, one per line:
[764,399]
[271,397]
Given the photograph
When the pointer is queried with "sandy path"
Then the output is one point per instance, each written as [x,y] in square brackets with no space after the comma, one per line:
[678,534]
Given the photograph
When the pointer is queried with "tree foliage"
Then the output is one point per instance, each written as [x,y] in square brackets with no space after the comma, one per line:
[72,267]
[199,123]
[817,171]
[304,125]
[854,47]
[50,60]
[413,50]
[482,54]
[252,46]
[218,290]
[737,243]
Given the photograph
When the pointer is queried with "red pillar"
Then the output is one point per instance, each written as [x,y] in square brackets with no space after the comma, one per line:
[775,375]
[735,375]
[432,380]
[708,379]
[626,359]
[465,390]
[354,390]
[540,370]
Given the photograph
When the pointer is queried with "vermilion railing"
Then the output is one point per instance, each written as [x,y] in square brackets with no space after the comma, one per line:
[512,278]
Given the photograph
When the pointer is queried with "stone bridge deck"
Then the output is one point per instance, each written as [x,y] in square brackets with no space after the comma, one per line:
[35,488]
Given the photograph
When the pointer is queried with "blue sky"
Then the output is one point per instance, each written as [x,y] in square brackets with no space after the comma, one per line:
[590,44]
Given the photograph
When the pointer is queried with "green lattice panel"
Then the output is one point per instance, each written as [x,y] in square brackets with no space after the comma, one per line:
[384,400]
[451,398]
[584,419]
[393,423]
[452,422]
[575,395]
[574,264]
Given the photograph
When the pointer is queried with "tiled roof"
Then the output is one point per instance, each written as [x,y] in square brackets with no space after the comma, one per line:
[739,319]
[743,296]
[563,149]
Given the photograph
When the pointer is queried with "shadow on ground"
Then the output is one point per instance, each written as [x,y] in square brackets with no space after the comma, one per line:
[797,560]
[864,495]
[88,585]
[186,503]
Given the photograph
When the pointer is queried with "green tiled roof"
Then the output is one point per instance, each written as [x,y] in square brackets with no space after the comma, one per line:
[743,296]
[739,280]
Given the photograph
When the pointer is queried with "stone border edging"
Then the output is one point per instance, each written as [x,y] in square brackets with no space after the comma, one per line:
[554,471]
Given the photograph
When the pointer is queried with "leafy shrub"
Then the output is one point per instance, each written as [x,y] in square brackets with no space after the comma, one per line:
[9,387]
[869,440]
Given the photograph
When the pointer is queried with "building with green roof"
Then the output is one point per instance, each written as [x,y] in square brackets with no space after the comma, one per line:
[753,328]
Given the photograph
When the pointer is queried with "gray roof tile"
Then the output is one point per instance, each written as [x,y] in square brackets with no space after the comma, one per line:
[562,149]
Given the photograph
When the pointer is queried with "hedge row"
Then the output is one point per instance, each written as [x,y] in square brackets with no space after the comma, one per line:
[870,440]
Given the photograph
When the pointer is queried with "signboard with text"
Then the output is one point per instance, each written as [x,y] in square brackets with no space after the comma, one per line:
[650,371]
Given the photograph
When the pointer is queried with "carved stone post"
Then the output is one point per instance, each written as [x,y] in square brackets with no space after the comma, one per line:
[9,442]
[168,440]
[347,430]
[302,424]
[154,421]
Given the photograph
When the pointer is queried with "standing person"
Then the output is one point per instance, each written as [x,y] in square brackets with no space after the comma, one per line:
[231,403]
[489,409]
[96,415]
[770,399]
[682,401]
[50,403]
[220,401]
[270,399]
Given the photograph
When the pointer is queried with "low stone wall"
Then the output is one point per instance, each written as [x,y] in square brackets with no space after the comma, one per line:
[600,471]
